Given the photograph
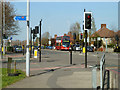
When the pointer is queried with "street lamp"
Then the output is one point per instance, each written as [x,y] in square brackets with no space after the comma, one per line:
[27,46]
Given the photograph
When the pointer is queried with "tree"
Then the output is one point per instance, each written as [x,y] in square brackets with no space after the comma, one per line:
[45,38]
[36,41]
[11,26]
[93,29]
[75,28]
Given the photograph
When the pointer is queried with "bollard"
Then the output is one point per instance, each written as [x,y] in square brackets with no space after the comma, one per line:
[35,53]
[23,49]
[14,66]
[9,66]
[70,56]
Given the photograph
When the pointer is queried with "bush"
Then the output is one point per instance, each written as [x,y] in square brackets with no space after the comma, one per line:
[10,49]
[111,46]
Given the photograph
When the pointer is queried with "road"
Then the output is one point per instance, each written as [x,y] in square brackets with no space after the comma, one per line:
[55,70]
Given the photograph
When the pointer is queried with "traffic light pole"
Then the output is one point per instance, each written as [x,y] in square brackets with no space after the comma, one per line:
[27,53]
[40,43]
[85,48]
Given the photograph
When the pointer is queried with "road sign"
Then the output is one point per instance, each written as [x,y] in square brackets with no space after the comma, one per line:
[10,38]
[20,18]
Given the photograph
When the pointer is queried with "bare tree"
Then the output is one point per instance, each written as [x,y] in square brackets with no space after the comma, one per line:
[11,26]
[93,30]
[45,38]
[75,28]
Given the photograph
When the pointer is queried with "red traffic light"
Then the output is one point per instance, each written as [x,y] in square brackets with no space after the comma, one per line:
[81,34]
[89,16]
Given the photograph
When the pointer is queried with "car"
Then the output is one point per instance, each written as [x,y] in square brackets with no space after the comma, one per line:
[35,47]
[50,47]
[90,49]
[17,49]
[77,47]
[14,47]
[117,49]
[42,47]
[53,47]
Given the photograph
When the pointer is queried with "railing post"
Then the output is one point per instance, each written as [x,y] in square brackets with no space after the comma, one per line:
[94,78]
[102,68]
[101,74]
[108,80]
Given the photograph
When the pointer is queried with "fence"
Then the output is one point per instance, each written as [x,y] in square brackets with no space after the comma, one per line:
[102,69]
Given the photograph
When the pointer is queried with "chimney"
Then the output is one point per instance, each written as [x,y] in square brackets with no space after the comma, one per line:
[103,25]
[55,36]
[64,34]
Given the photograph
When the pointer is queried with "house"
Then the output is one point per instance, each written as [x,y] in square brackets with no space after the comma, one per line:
[104,34]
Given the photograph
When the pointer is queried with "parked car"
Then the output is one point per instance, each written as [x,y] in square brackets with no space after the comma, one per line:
[90,49]
[50,47]
[117,49]
[77,47]
[14,47]
[35,47]
[53,47]
[17,49]
[42,47]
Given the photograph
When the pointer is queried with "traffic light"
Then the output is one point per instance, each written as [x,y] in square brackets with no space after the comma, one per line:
[116,37]
[5,36]
[87,20]
[81,36]
[34,35]
[74,36]
[36,29]
[31,31]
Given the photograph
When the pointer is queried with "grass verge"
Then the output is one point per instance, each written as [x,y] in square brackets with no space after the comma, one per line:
[8,80]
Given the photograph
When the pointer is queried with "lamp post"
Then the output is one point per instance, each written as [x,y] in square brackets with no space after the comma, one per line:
[27,53]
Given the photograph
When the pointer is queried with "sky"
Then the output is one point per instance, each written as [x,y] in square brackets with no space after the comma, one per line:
[57,17]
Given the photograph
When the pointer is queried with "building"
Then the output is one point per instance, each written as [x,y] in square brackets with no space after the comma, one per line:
[103,34]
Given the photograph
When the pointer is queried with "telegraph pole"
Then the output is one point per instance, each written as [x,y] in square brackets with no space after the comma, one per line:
[2,33]
[4,26]
[40,42]
[27,53]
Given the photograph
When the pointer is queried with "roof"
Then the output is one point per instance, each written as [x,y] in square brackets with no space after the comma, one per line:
[104,32]
[117,33]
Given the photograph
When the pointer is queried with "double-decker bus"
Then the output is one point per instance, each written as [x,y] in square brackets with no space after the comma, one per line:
[62,43]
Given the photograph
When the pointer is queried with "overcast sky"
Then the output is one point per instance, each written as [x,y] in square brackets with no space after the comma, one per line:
[58,16]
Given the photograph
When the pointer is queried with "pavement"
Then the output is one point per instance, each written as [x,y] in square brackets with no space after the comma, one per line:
[55,70]
[73,76]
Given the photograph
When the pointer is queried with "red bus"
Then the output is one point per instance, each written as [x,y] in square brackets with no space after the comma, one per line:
[62,43]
